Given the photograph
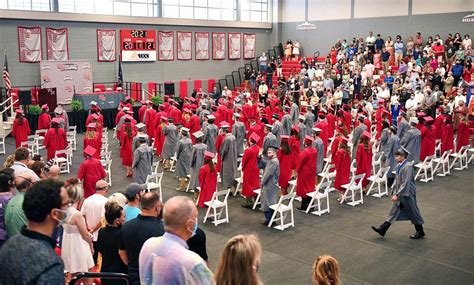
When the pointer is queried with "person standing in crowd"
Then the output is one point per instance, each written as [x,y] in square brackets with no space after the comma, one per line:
[54,139]
[133,192]
[141,130]
[7,186]
[159,136]
[269,182]
[238,130]
[171,140]
[142,161]
[21,160]
[412,141]
[136,232]
[364,159]
[183,159]
[45,207]
[393,144]
[197,244]
[306,172]
[287,164]
[21,128]
[239,261]
[197,160]
[90,171]
[93,138]
[44,119]
[250,172]
[404,205]
[228,154]
[126,144]
[463,133]
[182,265]
[210,133]
[342,163]
[15,217]
[326,271]
[447,136]
[207,179]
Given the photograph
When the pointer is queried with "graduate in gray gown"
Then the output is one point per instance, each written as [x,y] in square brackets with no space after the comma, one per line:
[142,161]
[58,111]
[302,131]
[389,151]
[277,128]
[210,134]
[228,153]
[269,188]
[286,122]
[270,140]
[404,205]
[384,135]
[358,131]
[171,141]
[238,130]
[197,159]
[412,141]
[318,144]
[402,125]
[140,131]
[183,158]
[309,121]
[294,113]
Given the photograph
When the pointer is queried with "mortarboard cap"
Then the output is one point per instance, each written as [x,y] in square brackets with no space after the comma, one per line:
[366,134]
[198,134]
[208,155]
[140,125]
[44,106]
[255,137]
[90,150]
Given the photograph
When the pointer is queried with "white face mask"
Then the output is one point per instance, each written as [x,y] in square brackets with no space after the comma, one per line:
[67,214]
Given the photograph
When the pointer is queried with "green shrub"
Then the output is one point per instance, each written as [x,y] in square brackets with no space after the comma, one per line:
[34,109]
[156,100]
[76,105]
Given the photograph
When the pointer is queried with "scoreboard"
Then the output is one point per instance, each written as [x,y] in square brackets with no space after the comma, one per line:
[138,45]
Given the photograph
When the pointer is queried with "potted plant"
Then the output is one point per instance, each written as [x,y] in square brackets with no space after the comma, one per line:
[32,116]
[156,100]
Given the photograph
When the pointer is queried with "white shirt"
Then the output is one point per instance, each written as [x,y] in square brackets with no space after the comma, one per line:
[419,97]
[411,104]
[94,210]
[458,98]
[19,168]
[384,94]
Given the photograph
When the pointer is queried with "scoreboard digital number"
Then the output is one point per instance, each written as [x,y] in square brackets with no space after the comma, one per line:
[138,45]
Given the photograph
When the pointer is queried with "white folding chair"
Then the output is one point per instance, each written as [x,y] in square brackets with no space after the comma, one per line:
[328,173]
[461,158]
[216,207]
[281,210]
[292,185]
[2,145]
[153,183]
[104,147]
[40,139]
[321,193]
[114,136]
[379,178]
[72,128]
[377,161]
[353,167]
[63,162]
[71,139]
[172,163]
[443,161]
[30,145]
[106,155]
[423,168]
[353,188]
[239,181]
[257,199]
[437,149]
[155,166]
[470,154]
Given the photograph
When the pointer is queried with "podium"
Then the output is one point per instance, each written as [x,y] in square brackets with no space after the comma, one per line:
[49,97]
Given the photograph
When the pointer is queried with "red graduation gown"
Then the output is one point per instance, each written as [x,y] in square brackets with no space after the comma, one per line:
[331,125]
[251,174]
[335,148]
[257,128]
[428,142]
[175,113]
[463,135]
[208,184]
[342,162]
[364,162]
[55,139]
[347,120]
[159,140]
[287,164]
[126,152]
[141,112]
[324,135]
[44,121]
[149,118]
[295,146]
[220,138]
[95,142]
[438,124]
[20,132]
[90,171]
[306,170]
[447,138]
[119,115]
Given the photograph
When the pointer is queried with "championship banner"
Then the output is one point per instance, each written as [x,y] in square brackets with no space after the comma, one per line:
[249,46]
[218,46]
[185,45]
[29,44]
[165,46]
[138,45]
[57,44]
[234,45]
[201,40]
[106,45]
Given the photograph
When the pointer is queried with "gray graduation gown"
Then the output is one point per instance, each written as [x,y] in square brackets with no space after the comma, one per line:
[309,122]
[197,160]
[142,161]
[294,113]
[277,130]
[412,142]
[384,136]
[238,130]
[391,147]
[361,128]
[136,143]
[319,146]
[287,124]
[228,153]
[302,134]
[210,134]
[171,141]
[269,182]
[402,128]
[270,140]
[406,207]
[183,157]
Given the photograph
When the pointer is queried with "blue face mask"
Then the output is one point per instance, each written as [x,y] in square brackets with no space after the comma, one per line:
[195,228]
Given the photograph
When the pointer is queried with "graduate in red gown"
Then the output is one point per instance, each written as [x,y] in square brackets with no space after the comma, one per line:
[160,137]
[342,163]
[220,138]
[438,123]
[428,138]
[141,111]
[251,173]
[90,171]
[325,131]
[149,118]
[287,164]
[54,139]
[306,171]
[126,142]
[44,120]
[21,128]
[207,179]
[463,134]
[447,136]
[258,129]
[364,158]
[92,138]
[295,145]
[175,113]
[331,122]
[335,145]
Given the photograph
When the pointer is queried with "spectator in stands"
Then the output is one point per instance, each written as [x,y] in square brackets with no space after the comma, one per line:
[29,257]
[182,266]
[54,172]
[39,169]
[326,271]
[22,159]
[370,42]
[398,46]
[262,62]
[7,185]
[240,261]
[135,232]
[15,217]
[133,192]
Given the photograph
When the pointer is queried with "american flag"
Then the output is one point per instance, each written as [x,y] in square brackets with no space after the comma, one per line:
[6,75]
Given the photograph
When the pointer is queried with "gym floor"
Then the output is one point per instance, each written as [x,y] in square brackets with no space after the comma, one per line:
[444,256]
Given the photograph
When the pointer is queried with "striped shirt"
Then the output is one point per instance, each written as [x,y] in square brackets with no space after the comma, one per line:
[167,260]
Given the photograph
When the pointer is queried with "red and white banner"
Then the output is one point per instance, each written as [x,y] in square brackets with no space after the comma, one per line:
[218,45]
[165,46]
[249,46]
[29,44]
[201,40]
[184,48]
[235,43]
[106,45]
[57,44]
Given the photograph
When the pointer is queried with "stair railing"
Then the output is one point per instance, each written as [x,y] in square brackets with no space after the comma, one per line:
[7,106]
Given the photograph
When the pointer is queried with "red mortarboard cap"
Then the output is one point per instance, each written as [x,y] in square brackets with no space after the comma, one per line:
[420,114]
[19,111]
[127,98]
[186,110]
[164,118]
[44,106]
[90,150]
[56,120]
[296,128]
[143,102]
[208,154]
[381,101]
[428,119]
[192,99]
[224,124]
[255,137]
[91,125]
[309,139]
[344,141]
[284,137]
[366,134]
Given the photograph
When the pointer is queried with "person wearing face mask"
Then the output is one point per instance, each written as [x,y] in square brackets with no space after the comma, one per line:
[77,248]
[135,232]
[107,242]
[44,205]
[15,217]
[166,259]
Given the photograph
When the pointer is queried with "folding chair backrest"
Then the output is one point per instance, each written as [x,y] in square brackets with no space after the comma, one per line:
[41,132]
[383,172]
[446,154]
[288,197]
[324,187]
[63,151]
[224,193]
[358,180]
[72,128]
[378,156]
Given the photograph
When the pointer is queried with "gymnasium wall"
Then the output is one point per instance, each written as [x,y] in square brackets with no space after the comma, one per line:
[82,45]
[345,19]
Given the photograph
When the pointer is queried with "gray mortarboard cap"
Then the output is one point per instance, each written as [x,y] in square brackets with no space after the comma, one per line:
[211,117]
[268,126]
[301,117]
[275,116]
[185,130]
[198,134]
[140,125]
[141,138]
[316,130]
[402,151]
